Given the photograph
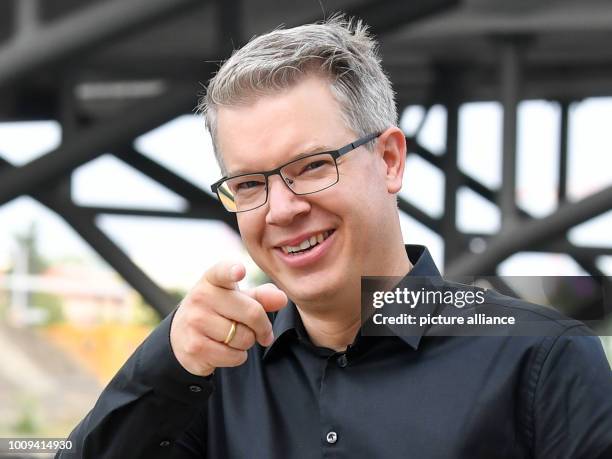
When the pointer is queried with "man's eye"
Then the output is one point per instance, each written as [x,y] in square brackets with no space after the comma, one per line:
[249,184]
[314,165]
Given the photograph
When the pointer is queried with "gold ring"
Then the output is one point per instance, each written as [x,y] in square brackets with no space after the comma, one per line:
[231,333]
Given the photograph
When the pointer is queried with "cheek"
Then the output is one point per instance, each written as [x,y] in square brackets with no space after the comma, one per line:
[251,230]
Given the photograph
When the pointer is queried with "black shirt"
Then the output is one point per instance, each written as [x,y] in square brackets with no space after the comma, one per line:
[414,396]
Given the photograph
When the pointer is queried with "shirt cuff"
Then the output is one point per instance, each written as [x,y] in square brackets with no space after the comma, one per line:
[159,368]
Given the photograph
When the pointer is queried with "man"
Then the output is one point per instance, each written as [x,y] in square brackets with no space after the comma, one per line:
[304,128]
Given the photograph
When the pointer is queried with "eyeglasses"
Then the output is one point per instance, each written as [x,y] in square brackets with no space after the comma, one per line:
[306,175]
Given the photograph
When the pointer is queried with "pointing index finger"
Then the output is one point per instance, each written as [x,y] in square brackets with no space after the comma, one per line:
[226,274]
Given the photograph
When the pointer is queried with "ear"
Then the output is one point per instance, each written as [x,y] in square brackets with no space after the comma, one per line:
[392,149]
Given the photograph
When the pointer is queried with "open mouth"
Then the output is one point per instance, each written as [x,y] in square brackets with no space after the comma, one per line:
[307,244]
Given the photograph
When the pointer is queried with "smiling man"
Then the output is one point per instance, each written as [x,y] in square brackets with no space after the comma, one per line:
[344,205]
[304,127]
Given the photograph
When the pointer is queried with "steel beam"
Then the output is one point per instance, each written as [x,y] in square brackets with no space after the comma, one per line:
[190,214]
[437,161]
[200,202]
[386,16]
[563,140]
[415,147]
[584,258]
[559,245]
[531,234]
[81,32]
[564,246]
[27,15]
[540,81]
[135,212]
[93,142]
[510,82]
[231,30]
[83,222]
[453,246]
[416,213]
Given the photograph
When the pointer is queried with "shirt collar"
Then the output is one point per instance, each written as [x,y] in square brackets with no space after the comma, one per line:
[422,266]
[288,319]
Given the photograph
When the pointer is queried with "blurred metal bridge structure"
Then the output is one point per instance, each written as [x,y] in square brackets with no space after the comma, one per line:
[111,70]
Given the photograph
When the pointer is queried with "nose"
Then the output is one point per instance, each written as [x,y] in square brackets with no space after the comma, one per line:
[283,204]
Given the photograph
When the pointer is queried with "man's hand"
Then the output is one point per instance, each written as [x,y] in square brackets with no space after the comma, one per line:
[204,319]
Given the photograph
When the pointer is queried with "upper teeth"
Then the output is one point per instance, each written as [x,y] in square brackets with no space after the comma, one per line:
[306,243]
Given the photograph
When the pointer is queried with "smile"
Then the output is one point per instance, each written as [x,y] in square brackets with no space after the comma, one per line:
[307,252]
[307,243]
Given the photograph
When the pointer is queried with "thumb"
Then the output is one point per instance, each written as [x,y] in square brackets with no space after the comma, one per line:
[269,296]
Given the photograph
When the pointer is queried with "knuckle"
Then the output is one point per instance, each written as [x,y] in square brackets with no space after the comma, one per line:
[239,357]
[245,340]
[250,339]
[193,346]
[198,296]
[238,342]
[198,318]
[203,368]
[191,321]
[253,314]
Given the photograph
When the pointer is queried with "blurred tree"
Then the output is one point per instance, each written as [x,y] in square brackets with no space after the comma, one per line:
[51,305]
[3,304]
[144,314]
[38,264]
[28,242]
[27,422]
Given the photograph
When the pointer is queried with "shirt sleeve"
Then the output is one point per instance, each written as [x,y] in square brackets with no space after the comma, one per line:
[573,399]
[145,407]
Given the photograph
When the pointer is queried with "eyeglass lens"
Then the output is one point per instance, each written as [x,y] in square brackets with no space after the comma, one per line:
[303,176]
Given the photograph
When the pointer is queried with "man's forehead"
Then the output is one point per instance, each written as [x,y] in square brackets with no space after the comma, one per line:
[279,127]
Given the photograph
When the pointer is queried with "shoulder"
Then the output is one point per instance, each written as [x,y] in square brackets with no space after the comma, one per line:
[542,318]
[502,315]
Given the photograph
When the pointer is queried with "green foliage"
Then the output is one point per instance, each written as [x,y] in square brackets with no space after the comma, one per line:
[145,314]
[4,304]
[51,305]
[27,422]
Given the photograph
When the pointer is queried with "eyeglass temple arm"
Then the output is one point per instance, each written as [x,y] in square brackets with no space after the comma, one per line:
[357,143]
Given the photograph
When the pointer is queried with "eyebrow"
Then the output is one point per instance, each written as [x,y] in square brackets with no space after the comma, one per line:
[309,151]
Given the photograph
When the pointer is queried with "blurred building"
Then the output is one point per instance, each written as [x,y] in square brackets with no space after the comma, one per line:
[89,295]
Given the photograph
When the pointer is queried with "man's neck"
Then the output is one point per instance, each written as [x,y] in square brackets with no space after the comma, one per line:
[332,334]
[336,326]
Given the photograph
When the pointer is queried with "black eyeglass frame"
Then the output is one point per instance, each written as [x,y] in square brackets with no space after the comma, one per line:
[335,154]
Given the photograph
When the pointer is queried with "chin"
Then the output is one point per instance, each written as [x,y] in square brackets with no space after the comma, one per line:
[316,286]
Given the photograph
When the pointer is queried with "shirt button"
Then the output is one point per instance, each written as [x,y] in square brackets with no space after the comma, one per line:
[342,361]
[164,443]
[332,437]
[195,388]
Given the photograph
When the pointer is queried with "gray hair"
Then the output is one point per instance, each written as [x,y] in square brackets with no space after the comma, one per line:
[338,48]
